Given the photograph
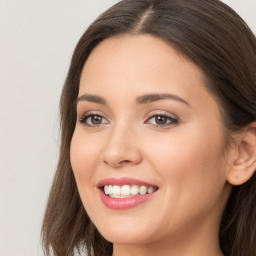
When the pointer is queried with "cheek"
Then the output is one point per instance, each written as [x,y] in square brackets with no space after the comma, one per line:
[84,155]
[190,162]
[193,174]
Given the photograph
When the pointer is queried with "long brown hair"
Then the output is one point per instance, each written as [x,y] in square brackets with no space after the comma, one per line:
[220,43]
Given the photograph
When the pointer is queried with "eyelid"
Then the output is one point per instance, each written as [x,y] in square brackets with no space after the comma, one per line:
[92,112]
[162,113]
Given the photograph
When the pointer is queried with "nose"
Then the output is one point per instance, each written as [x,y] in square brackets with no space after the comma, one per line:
[121,148]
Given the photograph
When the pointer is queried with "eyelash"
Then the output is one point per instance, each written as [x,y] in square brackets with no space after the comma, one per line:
[171,121]
[83,119]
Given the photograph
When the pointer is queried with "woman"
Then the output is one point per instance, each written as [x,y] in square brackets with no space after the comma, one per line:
[158,149]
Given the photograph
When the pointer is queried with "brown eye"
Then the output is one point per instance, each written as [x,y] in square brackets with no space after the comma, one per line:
[162,120]
[96,119]
[93,120]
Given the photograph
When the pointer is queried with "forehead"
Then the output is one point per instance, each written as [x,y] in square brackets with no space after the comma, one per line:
[137,59]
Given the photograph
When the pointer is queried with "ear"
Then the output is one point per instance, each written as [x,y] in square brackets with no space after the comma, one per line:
[244,162]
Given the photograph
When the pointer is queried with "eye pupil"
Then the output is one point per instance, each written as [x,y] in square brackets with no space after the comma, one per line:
[160,119]
[96,119]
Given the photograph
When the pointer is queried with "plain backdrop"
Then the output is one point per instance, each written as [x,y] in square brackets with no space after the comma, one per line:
[37,39]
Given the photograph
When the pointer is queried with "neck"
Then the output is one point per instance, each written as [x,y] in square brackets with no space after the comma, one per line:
[167,250]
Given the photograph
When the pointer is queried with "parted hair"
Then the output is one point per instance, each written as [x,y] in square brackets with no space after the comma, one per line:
[219,42]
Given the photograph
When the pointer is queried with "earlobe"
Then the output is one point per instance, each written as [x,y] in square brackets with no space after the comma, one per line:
[244,164]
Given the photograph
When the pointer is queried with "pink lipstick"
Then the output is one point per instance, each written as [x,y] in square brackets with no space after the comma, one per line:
[125,193]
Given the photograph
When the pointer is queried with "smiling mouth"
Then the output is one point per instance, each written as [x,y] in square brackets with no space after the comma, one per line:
[125,191]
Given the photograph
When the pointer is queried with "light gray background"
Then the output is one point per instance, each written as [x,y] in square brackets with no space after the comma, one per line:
[36,43]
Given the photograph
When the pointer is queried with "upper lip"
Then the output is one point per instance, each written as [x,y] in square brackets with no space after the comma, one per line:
[123,181]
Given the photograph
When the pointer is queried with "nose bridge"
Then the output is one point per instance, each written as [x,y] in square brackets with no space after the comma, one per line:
[121,147]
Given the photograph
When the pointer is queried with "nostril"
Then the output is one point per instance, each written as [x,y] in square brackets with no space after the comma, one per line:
[125,161]
[117,164]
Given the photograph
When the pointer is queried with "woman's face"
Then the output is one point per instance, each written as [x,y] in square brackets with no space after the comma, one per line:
[146,124]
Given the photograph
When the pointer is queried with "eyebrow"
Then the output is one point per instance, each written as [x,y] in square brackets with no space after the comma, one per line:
[148,98]
[91,98]
[144,99]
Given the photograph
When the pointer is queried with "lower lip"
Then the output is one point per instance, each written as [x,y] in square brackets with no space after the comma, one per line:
[124,203]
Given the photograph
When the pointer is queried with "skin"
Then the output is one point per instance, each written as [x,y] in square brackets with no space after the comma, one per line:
[184,159]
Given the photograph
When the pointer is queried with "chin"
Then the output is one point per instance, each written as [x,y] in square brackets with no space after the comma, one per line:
[126,232]
[125,237]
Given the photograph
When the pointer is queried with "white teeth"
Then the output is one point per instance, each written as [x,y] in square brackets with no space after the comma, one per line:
[150,190]
[116,190]
[135,190]
[126,190]
[143,190]
[110,189]
[106,190]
